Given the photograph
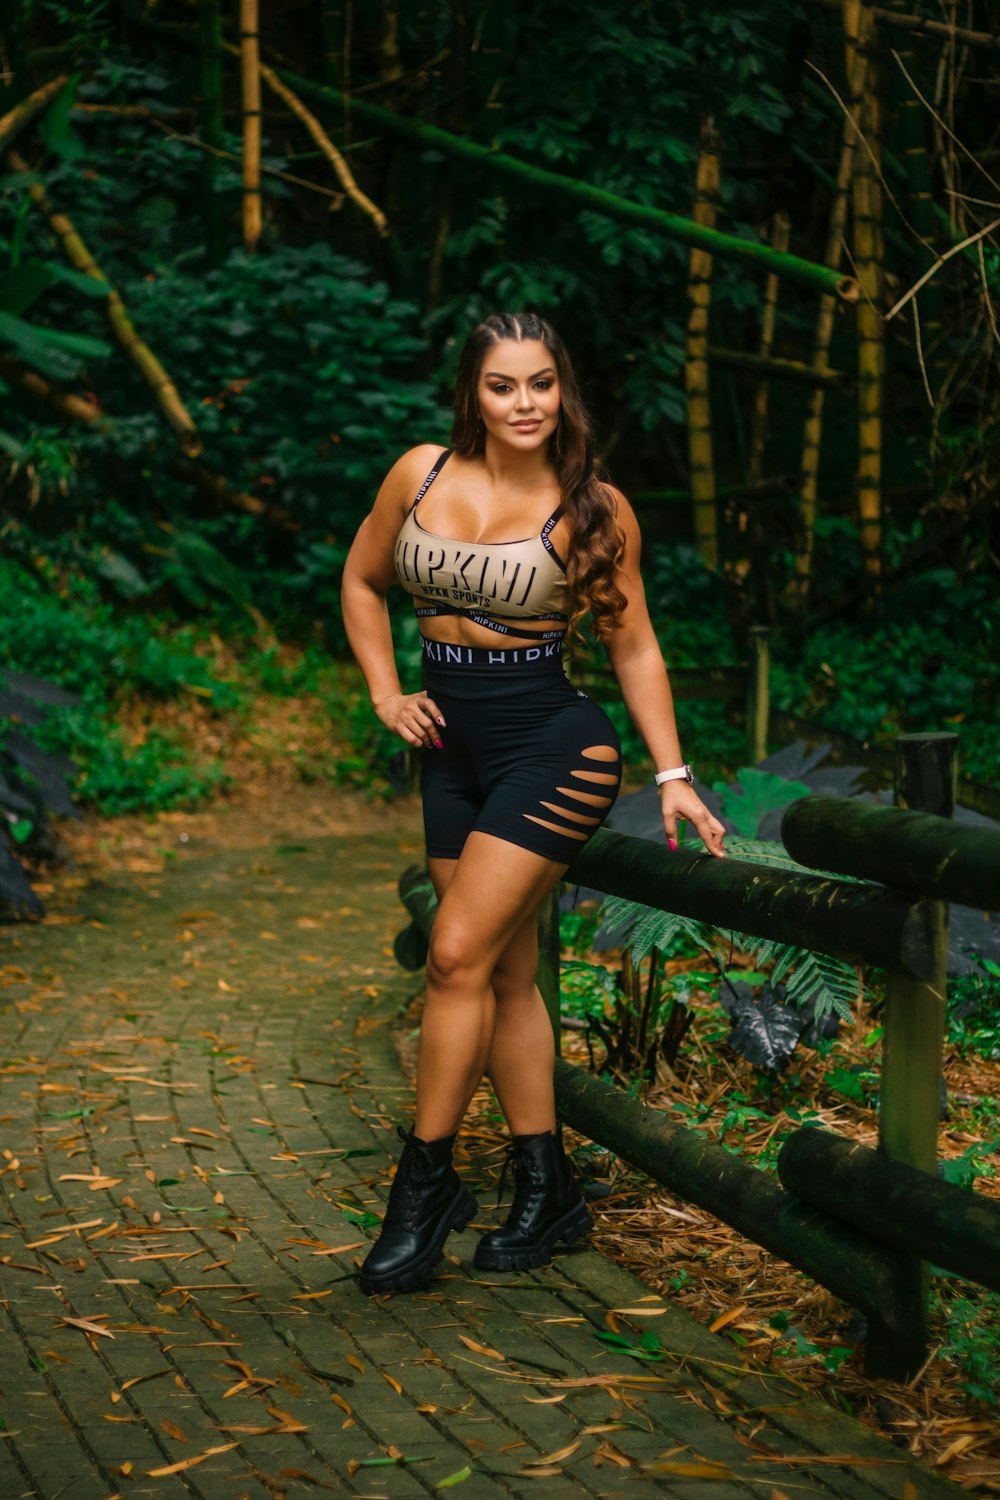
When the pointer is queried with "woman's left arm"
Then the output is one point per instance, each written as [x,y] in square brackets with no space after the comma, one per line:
[638,664]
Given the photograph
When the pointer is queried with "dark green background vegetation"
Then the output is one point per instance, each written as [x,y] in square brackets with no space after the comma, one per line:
[309,364]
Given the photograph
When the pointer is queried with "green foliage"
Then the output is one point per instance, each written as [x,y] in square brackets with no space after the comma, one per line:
[929,661]
[62,628]
[974,1011]
[759,793]
[972,1341]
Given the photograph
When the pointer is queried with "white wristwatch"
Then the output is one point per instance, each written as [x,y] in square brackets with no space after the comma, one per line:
[679,773]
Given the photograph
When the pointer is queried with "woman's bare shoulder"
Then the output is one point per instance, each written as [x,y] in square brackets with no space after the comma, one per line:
[416,463]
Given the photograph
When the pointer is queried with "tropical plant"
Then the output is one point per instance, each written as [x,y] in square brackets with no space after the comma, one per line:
[767,1022]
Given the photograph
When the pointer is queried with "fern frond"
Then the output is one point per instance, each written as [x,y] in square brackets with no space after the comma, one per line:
[770,852]
[640,928]
[824,983]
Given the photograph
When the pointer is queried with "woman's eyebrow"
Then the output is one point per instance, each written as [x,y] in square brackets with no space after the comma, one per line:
[496,375]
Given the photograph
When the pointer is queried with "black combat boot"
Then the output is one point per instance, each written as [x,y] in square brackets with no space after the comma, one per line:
[427,1201]
[548,1206]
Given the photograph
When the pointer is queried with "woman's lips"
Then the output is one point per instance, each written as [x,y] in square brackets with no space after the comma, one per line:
[525,426]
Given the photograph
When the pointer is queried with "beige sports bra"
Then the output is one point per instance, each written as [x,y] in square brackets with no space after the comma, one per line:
[490,583]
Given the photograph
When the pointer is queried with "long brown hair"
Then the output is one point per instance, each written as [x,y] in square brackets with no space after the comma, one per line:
[597,539]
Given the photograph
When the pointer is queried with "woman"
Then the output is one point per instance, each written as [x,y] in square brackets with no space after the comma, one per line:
[505,541]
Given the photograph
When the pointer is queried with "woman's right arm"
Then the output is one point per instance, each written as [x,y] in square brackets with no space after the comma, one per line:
[369,572]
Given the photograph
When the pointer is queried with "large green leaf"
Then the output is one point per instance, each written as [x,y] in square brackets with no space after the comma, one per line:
[756,793]
[48,349]
[56,129]
[23,285]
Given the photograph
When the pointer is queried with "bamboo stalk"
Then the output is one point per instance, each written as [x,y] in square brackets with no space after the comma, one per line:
[67,403]
[599,200]
[343,172]
[138,351]
[825,319]
[776,369]
[211,108]
[858,29]
[78,409]
[780,231]
[696,382]
[942,30]
[23,113]
[250,79]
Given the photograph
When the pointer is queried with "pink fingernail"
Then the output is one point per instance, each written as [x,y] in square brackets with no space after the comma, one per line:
[672,844]
[440,721]
[439,744]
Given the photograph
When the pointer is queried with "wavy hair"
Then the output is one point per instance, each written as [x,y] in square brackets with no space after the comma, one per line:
[597,541]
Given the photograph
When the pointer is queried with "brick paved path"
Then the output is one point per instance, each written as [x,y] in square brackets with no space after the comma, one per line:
[198,1094]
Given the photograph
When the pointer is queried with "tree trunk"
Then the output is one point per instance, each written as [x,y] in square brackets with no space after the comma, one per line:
[696,381]
[250,78]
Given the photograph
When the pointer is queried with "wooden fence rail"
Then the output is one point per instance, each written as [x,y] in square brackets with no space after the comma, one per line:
[861,1223]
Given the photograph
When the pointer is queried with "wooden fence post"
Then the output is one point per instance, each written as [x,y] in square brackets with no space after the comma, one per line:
[758,693]
[913,1043]
[548,960]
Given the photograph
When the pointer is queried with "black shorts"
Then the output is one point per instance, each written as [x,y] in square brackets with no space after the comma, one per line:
[527,757]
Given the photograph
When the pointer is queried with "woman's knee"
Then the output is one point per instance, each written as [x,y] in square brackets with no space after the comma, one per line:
[453,956]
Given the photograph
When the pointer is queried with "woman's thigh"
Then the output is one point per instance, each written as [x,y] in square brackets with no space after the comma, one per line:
[488,898]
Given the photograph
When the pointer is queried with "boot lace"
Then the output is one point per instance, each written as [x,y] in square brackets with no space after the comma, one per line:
[406,1196]
[518,1163]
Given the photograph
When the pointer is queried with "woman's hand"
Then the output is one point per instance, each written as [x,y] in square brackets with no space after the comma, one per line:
[679,800]
[414,717]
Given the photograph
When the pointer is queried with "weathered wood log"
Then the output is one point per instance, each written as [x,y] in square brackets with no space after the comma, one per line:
[896,1204]
[859,923]
[867,1275]
[909,851]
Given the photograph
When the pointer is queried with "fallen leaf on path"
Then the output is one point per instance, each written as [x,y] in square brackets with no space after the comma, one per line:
[86,1326]
[189,1463]
[482,1349]
[704,1470]
[457,1478]
[172,1430]
[727,1317]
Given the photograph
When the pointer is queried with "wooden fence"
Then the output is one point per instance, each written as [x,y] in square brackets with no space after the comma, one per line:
[865,1224]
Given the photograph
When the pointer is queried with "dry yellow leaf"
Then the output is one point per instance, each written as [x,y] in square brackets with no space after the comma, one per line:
[482,1349]
[727,1317]
[172,1430]
[189,1463]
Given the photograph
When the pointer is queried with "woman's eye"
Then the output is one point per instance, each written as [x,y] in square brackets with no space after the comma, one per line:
[543,385]
[499,390]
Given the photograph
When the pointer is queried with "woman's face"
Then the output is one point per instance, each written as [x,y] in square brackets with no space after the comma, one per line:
[519,393]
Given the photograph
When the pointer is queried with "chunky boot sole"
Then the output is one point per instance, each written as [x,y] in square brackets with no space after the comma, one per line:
[462,1208]
[574,1223]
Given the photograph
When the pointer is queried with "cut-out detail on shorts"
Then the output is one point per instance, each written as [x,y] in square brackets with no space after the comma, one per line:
[601,777]
[568,833]
[590,798]
[574,817]
[600,752]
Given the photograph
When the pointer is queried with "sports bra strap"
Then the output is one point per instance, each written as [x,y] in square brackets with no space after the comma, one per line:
[438,466]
